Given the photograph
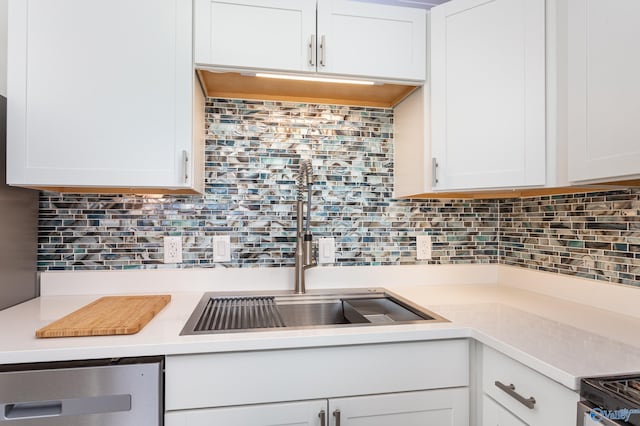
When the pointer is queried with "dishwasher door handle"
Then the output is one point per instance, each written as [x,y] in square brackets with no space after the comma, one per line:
[32,409]
[66,407]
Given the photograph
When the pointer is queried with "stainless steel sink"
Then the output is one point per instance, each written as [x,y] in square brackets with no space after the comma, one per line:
[244,311]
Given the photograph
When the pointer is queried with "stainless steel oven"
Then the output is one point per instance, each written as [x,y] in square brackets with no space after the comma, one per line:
[588,417]
[122,392]
[609,401]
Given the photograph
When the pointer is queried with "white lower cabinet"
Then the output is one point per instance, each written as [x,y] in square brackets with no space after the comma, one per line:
[443,407]
[302,413]
[408,383]
[513,394]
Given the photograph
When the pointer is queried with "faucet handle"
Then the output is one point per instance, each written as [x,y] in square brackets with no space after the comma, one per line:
[309,254]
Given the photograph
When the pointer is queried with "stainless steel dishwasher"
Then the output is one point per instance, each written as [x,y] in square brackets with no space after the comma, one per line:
[122,392]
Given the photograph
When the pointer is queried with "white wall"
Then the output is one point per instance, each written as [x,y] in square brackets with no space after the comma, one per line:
[3,47]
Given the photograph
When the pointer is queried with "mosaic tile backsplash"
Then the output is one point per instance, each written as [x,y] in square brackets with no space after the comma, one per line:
[595,235]
[252,153]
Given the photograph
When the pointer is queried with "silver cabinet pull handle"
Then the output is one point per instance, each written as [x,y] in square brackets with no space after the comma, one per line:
[323,418]
[434,171]
[336,414]
[511,391]
[323,51]
[312,50]
[185,164]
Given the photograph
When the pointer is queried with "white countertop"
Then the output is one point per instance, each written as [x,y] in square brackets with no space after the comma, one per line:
[561,339]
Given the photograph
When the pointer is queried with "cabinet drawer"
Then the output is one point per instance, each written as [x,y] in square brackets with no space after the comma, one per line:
[554,404]
[225,379]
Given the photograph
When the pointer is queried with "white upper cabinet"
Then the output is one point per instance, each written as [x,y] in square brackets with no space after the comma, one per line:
[267,34]
[339,37]
[603,89]
[442,407]
[101,94]
[488,93]
[356,38]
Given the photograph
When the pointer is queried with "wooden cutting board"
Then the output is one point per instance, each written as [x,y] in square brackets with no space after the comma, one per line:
[107,316]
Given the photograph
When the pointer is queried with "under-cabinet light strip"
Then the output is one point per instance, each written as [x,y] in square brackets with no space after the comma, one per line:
[316,79]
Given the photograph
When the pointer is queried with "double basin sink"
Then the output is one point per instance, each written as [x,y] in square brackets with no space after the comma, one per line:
[241,311]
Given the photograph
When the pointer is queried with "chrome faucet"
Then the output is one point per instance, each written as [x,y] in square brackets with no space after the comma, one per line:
[304,239]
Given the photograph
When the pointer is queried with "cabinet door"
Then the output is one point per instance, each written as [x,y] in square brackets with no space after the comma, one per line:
[604,89]
[445,407]
[306,413]
[554,404]
[488,93]
[99,92]
[494,414]
[363,39]
[265,34]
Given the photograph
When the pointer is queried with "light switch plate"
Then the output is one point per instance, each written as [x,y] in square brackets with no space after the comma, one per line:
[172,249]
[221,248]
[423,247]
[327,250]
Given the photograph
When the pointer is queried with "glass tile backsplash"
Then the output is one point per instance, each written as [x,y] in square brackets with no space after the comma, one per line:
[252,153]
[594,235]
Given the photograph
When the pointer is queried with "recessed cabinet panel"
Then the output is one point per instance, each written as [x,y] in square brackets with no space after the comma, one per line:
[303,413]
[268,34]
[443,407]
[357,38]
[95,97]
[604,89]
[488,93]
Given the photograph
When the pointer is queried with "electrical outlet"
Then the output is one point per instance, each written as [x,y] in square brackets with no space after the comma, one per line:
[172,249]
[423,247]
[327,250]
[221,248]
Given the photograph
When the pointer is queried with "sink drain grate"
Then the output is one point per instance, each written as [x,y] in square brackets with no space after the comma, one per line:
[233,313]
